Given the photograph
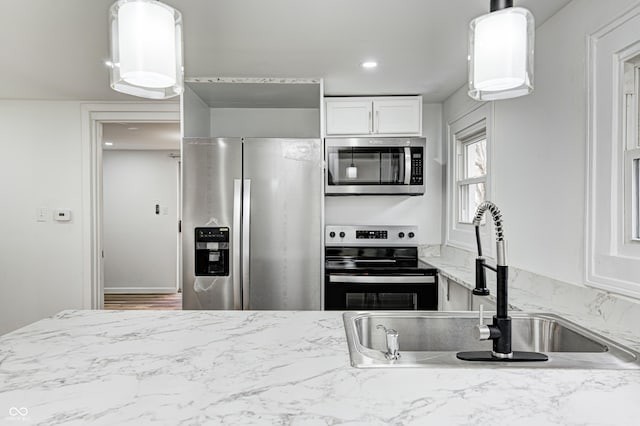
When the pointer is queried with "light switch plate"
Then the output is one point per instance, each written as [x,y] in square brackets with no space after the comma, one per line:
[42,214]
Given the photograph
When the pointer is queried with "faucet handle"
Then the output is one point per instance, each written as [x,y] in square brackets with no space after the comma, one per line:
[482,332]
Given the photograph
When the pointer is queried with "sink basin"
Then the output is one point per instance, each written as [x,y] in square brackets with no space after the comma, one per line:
[429,339]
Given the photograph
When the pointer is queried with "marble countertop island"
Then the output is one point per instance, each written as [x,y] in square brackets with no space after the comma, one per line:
[237,368]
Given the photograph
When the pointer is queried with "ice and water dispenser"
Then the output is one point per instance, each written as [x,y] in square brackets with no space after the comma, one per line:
[212,251]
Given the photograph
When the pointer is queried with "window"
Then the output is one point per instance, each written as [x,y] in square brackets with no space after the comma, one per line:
[635,197]
[472,175]
[469,174]
[631,134]
[613,161]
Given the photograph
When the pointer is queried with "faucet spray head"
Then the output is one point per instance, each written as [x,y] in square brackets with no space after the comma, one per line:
[501,250]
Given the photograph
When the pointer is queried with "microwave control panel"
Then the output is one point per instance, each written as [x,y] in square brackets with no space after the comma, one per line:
[417,155]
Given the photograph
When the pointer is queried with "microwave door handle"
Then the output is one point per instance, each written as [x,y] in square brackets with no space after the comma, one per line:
[237,219]
[407,165]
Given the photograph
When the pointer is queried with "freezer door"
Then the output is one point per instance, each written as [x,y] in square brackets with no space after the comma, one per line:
[212,196]
[284,177]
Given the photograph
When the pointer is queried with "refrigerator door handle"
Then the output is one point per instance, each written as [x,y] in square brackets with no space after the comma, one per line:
[237,219]
[246,243]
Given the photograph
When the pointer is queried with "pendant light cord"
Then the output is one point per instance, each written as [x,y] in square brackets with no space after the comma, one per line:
[500,4]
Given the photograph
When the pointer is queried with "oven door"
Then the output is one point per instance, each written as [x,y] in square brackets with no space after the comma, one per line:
[380,292]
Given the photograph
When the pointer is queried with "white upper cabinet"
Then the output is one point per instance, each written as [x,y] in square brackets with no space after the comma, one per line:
[397,116]
[384,116]
[348,116]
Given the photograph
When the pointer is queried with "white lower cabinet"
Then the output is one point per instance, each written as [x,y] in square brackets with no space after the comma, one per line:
[453,296]
[476,301]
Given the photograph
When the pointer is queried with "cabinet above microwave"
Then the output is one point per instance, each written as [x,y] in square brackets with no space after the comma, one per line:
[368,166]
[379,116]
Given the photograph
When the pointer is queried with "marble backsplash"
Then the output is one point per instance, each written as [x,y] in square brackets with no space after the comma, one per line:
[603,311]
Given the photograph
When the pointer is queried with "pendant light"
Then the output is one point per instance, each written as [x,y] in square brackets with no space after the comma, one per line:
[501,53]
[146,49]
[352,170]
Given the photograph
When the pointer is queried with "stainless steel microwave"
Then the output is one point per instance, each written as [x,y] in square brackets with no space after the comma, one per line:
[359,166]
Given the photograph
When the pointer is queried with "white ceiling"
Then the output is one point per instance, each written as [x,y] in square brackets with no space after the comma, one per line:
[56,49]
[141,136]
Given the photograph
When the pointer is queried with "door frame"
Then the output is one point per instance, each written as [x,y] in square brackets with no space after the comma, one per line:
[93,116]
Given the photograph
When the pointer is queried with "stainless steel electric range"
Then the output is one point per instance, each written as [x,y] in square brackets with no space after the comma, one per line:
[377,268]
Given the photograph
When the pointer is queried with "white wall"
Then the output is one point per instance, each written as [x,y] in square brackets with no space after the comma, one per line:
[425,211]
[540,146]
[265,122]
[196,117]
[140,247]
[41,263]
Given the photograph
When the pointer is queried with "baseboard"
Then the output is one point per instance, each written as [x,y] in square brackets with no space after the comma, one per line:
[140,290]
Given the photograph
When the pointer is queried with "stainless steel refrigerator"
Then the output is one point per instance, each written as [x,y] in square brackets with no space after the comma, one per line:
[251,223]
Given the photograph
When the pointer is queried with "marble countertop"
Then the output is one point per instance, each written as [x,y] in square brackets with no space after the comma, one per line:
[237,368]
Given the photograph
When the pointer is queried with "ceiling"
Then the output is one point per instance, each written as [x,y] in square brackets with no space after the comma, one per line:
[57,49]
[141,136]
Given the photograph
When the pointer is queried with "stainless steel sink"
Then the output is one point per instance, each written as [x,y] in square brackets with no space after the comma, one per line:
[430,339]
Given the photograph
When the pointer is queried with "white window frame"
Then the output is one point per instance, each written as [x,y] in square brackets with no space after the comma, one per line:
[612,255]
[464,129]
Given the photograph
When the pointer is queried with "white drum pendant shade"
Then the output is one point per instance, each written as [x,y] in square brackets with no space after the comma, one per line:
[146,49]
[501,54]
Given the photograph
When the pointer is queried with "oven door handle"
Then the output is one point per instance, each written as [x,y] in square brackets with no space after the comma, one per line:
[360,279]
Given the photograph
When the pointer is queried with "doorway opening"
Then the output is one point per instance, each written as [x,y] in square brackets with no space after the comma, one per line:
[140,215]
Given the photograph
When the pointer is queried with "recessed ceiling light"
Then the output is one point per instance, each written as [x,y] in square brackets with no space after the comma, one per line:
[108,144]
[369,64]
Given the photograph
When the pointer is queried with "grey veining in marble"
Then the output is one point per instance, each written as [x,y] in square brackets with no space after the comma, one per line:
[246,368]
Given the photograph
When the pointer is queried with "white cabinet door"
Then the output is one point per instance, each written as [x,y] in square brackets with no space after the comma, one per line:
[476,301]
[348,117]
[398,116]
[453,296]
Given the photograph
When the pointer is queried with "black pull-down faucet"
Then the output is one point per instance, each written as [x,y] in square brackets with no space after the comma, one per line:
[500,330]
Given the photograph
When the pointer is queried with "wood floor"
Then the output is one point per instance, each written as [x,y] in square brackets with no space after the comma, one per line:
[143,301]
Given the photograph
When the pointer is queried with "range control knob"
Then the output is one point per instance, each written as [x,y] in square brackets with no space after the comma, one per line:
[401,235]
[332,234]
[342,235]
[411,235]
